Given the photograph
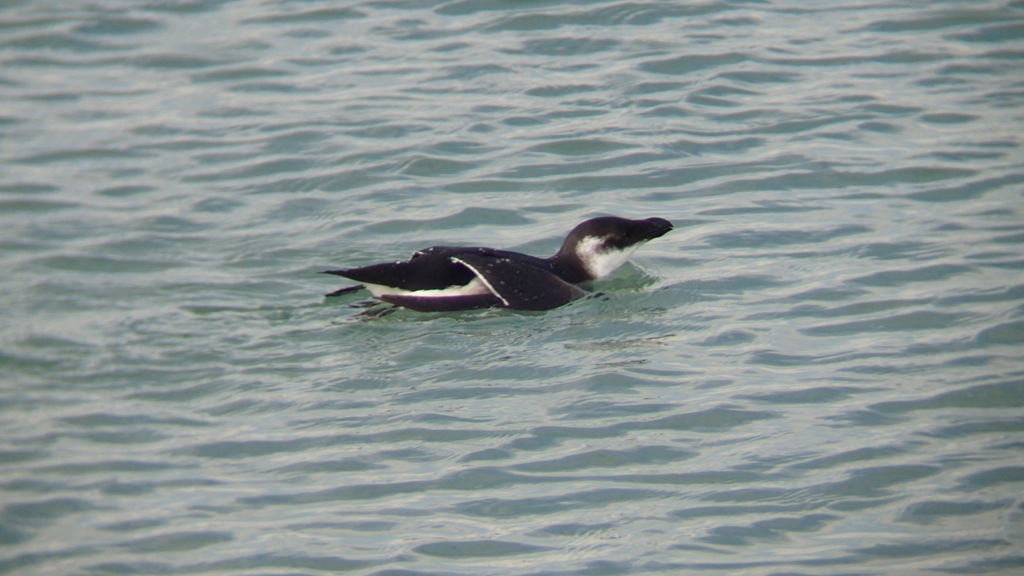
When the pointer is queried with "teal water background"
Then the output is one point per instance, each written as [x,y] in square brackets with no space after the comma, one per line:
[819,371]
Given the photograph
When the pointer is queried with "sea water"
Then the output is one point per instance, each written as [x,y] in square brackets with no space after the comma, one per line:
[819,371]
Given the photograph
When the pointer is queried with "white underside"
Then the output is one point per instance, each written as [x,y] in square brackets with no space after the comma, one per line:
[475,286]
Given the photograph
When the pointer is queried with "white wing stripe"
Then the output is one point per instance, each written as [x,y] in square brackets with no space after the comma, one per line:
[482,279]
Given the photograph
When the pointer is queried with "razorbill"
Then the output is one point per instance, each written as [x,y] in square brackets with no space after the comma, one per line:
[446,278]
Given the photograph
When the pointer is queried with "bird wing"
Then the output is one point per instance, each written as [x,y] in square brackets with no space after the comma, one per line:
[430,269]
[520,285]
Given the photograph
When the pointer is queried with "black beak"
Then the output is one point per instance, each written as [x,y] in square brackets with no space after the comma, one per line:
[652,228]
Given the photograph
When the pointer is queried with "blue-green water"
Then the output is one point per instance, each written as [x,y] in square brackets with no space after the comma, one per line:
[818,372]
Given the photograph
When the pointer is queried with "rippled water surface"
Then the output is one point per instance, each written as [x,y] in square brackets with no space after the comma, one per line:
[819,371]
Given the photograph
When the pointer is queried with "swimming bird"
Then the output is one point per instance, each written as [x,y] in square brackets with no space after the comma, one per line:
[446,278]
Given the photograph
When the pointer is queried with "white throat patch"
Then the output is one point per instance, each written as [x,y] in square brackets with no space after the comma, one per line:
[601,263]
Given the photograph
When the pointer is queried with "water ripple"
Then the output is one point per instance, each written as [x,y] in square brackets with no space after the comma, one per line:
[816,371]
